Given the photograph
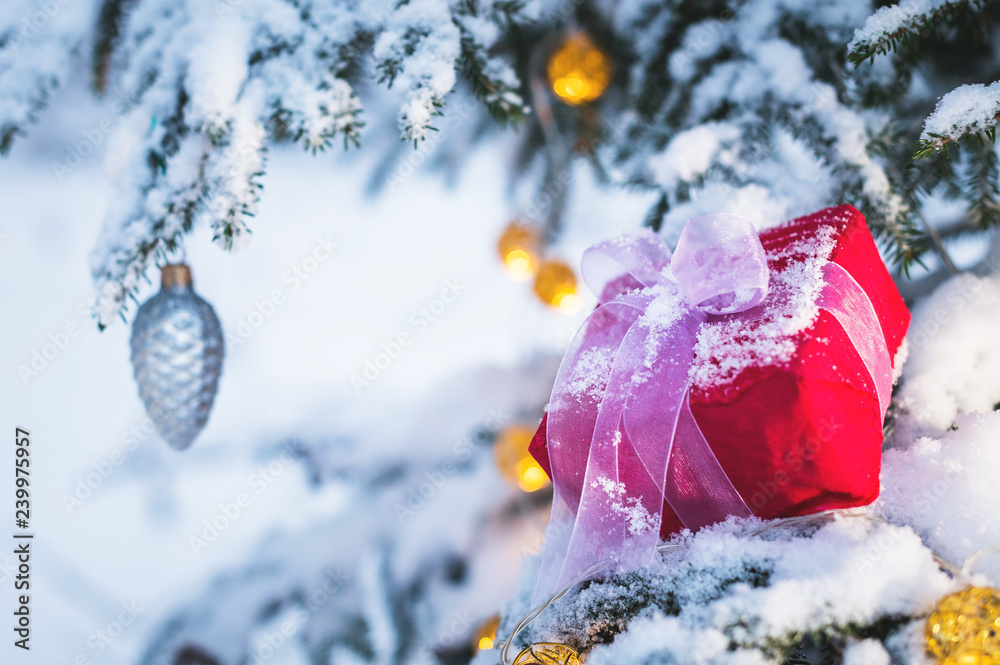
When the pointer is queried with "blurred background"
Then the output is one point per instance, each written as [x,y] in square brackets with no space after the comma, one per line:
[354,497]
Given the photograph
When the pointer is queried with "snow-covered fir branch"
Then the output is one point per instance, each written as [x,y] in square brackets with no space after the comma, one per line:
[730,111]
[910,78]
[967,110]
[37,41]
[733,105]
[889,26]
[217,82]
[730,599]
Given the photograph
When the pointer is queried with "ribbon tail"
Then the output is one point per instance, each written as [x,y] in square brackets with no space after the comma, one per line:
[698,489]
[668,441]
[844,298]
[586,405]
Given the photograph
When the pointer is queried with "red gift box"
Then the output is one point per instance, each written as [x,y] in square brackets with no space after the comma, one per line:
[794,420]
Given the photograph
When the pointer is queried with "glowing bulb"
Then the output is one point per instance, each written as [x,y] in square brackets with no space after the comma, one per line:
[548,653]
[555,285]
[962,629]
[521,264]
[579,71]
[485,636]
[519,245]
[514,462]
[531,477]
[569,303]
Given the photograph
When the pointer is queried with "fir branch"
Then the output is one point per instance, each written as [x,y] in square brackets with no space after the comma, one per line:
[969,111]
[107,35]
[500,96]
[983,188]
[897,25]
[654,218]
[298,85]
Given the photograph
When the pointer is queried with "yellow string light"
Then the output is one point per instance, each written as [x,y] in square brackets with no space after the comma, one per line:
[530,476]
[514,461]
[548,653]
[555,285]
[964,628]
[485,636]
[578,70]
[518,247]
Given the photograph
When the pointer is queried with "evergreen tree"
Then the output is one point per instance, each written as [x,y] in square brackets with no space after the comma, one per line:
[747,105]
[772,108]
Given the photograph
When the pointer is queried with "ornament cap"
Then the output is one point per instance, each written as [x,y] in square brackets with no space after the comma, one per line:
[175,274]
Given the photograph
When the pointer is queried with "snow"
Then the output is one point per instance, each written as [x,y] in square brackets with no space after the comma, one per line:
[727,346]
[943,486]
[786,582]
[429,72]
[252,72]
[958,322]
[690,153]
[938,481]
[590,374]
[866,652]
[35,56]
[892,19]
[966,109]
[739,68]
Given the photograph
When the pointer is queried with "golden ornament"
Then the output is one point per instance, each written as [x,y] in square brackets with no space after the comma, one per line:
[515,463]
[964,628]
[578,70]
[555,284]
[485,636]
[548,653]
[518,246]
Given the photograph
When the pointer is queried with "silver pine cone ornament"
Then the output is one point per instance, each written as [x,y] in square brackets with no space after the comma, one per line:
[177,354]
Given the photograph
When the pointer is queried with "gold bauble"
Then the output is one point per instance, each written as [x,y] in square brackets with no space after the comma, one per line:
[555,284]
[578,70]
[548,653]
[515,463]
[964,628]
[485,636]
[518,247]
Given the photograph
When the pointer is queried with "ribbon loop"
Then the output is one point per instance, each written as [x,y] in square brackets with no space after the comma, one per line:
[641,254]
[720,264]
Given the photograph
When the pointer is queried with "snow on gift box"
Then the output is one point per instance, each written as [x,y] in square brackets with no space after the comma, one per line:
[743,375]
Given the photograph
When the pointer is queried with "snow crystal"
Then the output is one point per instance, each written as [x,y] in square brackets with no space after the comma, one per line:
[590,373]
[727,345]
[973,107]
[638,519]
[609,487]
[659,317]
